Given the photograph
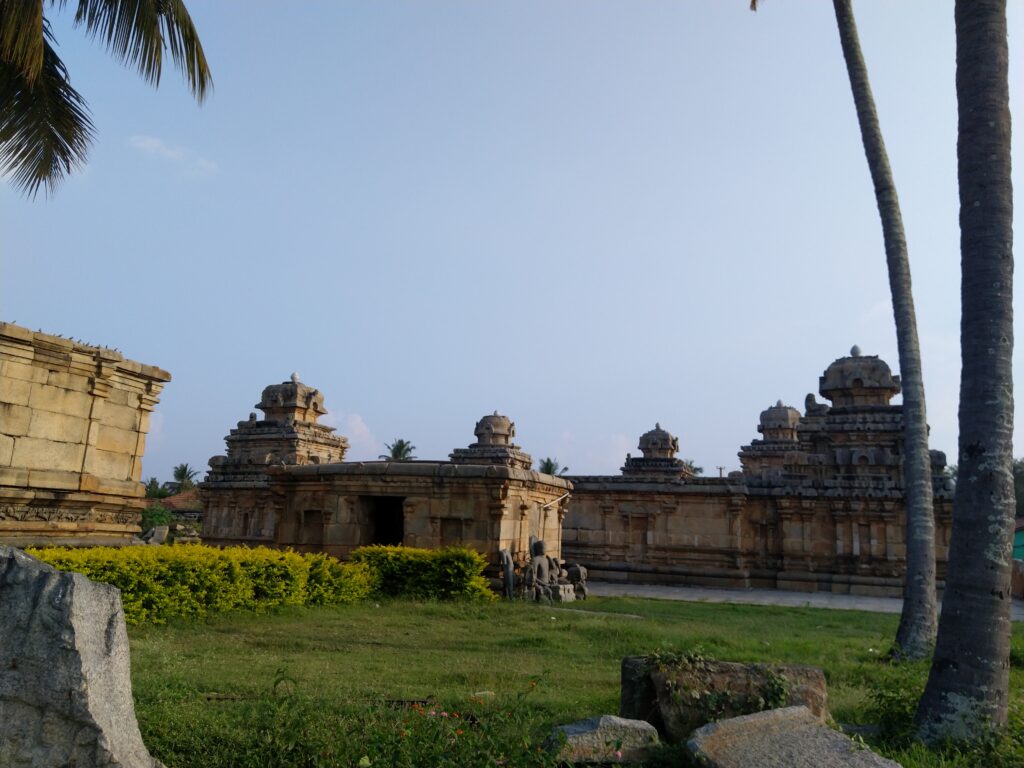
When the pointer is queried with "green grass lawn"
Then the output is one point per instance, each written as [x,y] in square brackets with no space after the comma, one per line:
[206,693]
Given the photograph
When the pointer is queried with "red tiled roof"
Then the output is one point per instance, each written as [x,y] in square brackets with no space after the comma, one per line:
[186,500]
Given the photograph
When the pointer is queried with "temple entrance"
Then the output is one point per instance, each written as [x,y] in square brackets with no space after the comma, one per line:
[312,536]
[385,516]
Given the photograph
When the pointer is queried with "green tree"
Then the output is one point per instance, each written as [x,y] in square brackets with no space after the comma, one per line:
[916,633]
[185,477]
[968,684]
[692,467]
[155,514]
[399,450]
[549,466]
[45,129]
[154,490]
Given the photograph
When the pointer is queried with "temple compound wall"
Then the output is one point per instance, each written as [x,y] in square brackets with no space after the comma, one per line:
[284,482]
[817,505]
[73,424]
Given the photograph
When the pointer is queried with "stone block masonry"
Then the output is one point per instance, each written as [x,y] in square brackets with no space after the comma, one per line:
[73,423]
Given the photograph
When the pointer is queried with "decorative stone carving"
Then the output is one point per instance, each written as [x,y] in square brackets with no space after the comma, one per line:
[493,445]
[658,460]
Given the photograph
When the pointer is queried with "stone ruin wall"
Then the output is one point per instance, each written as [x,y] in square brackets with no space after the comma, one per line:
[73,424]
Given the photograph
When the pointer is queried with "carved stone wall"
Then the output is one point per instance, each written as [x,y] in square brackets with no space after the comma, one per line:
[73,424]
[336,508]
[818,504]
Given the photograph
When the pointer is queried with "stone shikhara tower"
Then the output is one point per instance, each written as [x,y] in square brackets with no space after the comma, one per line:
[235,493]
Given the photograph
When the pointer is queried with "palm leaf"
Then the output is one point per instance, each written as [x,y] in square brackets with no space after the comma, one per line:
[137,31]
[45,130]
[21,36]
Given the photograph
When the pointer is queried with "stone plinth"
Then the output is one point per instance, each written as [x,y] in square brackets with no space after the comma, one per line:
[73,424]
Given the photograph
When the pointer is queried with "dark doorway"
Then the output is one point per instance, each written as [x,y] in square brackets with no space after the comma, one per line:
[312,529]
[386,518]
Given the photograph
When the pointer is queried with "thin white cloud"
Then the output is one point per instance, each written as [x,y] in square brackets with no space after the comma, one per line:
[188,162]
[363,445]
[880,309]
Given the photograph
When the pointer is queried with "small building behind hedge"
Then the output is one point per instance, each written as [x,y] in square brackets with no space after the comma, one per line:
[297,492]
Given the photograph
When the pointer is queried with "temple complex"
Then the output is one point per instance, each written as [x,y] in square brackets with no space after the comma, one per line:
[73,424]
[817,505]
[284,483]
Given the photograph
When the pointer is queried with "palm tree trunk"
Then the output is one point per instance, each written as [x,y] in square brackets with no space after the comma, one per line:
[968,684]
[916,632]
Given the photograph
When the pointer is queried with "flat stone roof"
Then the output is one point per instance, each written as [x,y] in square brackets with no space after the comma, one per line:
[58,345]
[419,469]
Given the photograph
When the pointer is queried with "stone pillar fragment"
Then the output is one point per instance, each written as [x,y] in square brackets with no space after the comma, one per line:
[65,684]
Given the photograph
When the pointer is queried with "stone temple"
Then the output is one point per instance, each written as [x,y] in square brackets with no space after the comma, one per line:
[817,504]
[283,482]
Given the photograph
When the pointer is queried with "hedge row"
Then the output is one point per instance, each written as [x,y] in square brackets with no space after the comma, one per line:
[425,574]
[192,580]
[158,583]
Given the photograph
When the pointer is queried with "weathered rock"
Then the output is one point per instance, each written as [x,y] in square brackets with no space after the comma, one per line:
[65,685]
[637,698]
[184,534]
[604,739]
[792,737]
[691,692]
[156,535]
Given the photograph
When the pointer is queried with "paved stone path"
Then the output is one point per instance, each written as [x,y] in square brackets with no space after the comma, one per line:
[761,597]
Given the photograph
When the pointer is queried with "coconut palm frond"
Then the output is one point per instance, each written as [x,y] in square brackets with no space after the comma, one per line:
[45,130]
[137,31]
[21,37]
[186,50]
[399,450]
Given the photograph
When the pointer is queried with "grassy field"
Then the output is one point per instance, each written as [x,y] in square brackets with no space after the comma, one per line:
[381,684]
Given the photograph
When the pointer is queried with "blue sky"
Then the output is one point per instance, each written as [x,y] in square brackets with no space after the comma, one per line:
[588,215]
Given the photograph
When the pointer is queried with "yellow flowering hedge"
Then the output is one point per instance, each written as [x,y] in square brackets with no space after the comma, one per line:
[193,580]
[427,574]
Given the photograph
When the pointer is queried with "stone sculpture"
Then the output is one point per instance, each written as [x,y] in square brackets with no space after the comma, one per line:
[578,579]
[539,574]
[508,573]
[65,685]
